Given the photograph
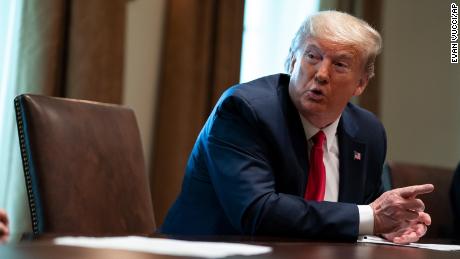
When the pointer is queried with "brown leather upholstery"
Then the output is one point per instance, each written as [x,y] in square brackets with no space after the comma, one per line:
[84,167]
[437,203]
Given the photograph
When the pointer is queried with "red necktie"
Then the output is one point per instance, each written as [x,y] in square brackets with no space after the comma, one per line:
[316,185]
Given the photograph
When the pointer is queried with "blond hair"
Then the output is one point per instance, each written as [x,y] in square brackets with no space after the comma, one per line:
[340,28]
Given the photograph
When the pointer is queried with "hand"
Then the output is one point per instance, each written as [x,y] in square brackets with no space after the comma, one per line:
[4,232]
[413,231]
[399,216]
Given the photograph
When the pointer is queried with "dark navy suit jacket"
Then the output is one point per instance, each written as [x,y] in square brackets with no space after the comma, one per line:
[248,170]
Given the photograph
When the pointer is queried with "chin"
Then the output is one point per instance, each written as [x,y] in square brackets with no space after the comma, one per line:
[311,106]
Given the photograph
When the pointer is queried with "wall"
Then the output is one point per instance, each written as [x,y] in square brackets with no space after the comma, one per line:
[420,87]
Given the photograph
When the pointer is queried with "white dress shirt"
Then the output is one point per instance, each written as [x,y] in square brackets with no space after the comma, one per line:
[331,164]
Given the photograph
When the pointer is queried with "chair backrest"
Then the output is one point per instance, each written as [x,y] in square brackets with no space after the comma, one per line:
[437,203]
[84,167]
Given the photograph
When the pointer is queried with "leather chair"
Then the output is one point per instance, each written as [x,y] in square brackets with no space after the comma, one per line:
[84,167]
[436,203]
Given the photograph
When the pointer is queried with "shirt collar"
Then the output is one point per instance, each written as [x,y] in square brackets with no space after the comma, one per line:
[330,130]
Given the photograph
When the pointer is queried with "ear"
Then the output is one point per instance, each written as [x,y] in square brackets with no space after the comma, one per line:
[362,83]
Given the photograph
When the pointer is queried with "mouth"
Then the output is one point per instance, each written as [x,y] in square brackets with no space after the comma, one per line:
[315,94]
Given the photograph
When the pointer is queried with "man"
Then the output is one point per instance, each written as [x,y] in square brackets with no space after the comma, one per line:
[289,155]
[4,232]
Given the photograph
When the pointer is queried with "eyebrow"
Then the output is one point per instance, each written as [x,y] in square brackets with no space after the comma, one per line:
[346,56]
[311,46]
[343,54]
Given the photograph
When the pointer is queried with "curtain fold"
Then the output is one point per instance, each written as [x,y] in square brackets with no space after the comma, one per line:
[41,47]
[371,99]
[95,50]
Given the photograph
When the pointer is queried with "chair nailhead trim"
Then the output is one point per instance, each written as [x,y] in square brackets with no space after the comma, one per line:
[25,163]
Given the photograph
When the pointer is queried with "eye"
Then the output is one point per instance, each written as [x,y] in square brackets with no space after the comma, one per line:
[312,57]
[341,66]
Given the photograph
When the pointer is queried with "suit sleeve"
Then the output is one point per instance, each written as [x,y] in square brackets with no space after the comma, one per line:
[237,156]
[374,185]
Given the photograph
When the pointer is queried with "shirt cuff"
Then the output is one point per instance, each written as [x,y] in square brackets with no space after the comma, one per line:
[366,220]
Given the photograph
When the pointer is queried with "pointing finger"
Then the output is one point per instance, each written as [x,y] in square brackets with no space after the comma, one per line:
[414,190]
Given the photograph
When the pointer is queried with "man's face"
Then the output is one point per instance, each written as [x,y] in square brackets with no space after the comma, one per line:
[324,76]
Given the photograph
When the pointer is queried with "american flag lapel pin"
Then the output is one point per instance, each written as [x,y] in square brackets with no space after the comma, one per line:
[356,155]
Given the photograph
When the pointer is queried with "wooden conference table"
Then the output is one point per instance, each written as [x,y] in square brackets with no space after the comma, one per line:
[282,248]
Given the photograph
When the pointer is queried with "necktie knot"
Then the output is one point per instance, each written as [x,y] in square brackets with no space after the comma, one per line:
[319,138]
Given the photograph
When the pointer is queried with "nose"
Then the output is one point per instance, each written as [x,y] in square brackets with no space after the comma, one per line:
[322,72]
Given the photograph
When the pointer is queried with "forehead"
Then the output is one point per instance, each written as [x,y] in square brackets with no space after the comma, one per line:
[331,48]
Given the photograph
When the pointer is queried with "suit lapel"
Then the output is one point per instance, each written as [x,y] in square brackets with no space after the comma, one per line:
[296,133]
[352,157]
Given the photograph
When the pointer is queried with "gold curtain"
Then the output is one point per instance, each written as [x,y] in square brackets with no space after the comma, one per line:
[73,48]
